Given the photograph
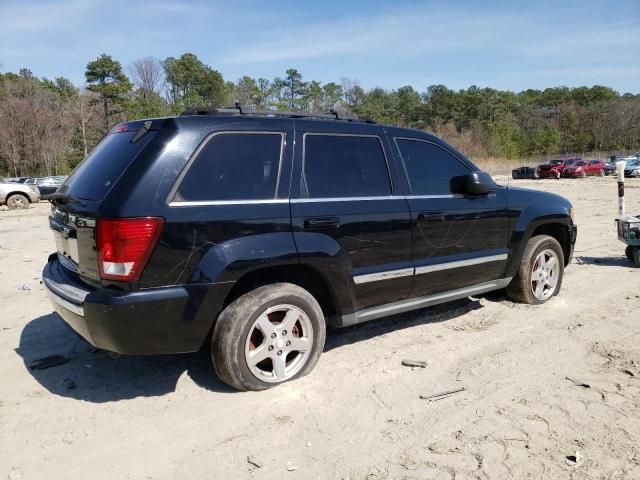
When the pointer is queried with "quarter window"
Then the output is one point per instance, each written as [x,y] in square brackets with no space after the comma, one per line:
[344,166]
[234,166]
[429,167]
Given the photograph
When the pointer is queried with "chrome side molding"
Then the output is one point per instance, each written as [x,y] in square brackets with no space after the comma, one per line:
[403,272]
[388,275]
[461,263]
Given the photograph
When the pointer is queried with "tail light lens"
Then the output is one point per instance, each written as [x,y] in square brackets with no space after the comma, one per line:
[124,246]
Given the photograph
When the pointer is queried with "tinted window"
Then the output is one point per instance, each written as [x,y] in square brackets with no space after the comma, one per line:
[97,173]
[234,166]
[345,166]
[429,167]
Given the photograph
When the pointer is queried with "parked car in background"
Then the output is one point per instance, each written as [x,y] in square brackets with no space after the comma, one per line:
[524,172]
[554,168]
[17,196]
[46,185]
[15,179]
[609,167]
[583,168]
[632,169]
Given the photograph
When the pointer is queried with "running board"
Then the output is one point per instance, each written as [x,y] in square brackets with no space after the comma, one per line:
[402,306]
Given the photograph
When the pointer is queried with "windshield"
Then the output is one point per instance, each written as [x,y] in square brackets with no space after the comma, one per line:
[569,162]
[580,164]
[554,162]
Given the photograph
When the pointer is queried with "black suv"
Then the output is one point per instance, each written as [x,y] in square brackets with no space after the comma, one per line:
[255,230]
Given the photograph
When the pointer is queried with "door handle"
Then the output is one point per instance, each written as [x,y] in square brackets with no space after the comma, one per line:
[321,223]
[431,216]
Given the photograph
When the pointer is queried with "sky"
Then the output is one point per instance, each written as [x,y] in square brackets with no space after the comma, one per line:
[512,45]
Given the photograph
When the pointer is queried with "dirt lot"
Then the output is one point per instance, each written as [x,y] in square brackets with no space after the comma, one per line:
[358,415]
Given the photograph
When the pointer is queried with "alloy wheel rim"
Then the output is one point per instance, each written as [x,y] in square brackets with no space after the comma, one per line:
[279,343]
[545,273]
[18,202]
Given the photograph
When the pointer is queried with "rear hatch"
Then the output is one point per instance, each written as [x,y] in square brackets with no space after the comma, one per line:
[73,217]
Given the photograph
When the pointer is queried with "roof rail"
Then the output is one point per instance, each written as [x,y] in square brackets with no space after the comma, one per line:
[241,109]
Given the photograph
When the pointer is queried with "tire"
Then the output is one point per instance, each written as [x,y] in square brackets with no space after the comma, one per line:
[558,175]
[583,174]
[521,287]
[629,252]
[636,256]
[236,333]
[601,173]
[17,201]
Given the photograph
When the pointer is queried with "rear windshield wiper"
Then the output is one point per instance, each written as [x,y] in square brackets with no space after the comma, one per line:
[65,197]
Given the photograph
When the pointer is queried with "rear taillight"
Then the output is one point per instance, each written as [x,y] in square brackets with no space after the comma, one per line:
[124,246]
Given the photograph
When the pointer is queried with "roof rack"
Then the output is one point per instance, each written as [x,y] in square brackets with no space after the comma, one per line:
[241,109]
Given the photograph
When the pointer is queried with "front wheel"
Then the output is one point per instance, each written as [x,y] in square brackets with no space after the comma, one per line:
[583,174]
[539,276]
[268,336]
[558,175]
[601,173]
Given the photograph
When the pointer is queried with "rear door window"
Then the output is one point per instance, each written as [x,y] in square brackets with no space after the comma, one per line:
[339,166]
[430,168]
[234,166]
[95,175]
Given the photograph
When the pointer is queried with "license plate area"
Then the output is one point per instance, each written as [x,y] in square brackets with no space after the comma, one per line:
[66,238]
[67,248]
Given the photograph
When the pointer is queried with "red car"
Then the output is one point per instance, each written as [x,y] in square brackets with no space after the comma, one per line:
[582,168]
[554,168]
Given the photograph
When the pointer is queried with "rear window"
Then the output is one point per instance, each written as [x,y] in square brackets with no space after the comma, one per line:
[96,174]
[234,166]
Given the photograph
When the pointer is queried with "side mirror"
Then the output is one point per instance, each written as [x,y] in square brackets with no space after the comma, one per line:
[478,183]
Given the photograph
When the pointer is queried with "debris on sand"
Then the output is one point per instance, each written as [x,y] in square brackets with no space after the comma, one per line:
[578,383]
[441,395]
[573,460]
[48,362]
[24,286]
[253,461]
[414,363]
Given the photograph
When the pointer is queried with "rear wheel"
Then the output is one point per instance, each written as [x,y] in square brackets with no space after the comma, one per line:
[268,336]
[17,201]
[636,256]
[540,274]
[629,252]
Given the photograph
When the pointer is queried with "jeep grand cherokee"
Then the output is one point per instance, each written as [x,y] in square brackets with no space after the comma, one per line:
[253,231]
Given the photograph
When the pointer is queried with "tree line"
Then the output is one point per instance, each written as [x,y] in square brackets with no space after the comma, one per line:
[48,126]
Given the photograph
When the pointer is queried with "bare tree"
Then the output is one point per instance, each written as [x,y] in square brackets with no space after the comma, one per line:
[148,75]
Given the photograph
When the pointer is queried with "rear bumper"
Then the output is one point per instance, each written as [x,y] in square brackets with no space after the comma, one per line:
[153,321]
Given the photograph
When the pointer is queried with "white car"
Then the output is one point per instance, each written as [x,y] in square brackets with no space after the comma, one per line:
[632,168]
[18,195]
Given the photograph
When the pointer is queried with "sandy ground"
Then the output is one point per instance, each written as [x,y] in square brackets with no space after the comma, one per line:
[358,415]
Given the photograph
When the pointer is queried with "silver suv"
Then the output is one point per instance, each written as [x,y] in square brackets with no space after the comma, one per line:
[18,195]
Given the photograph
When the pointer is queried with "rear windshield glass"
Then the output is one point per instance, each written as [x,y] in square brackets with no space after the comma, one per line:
[96,174]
